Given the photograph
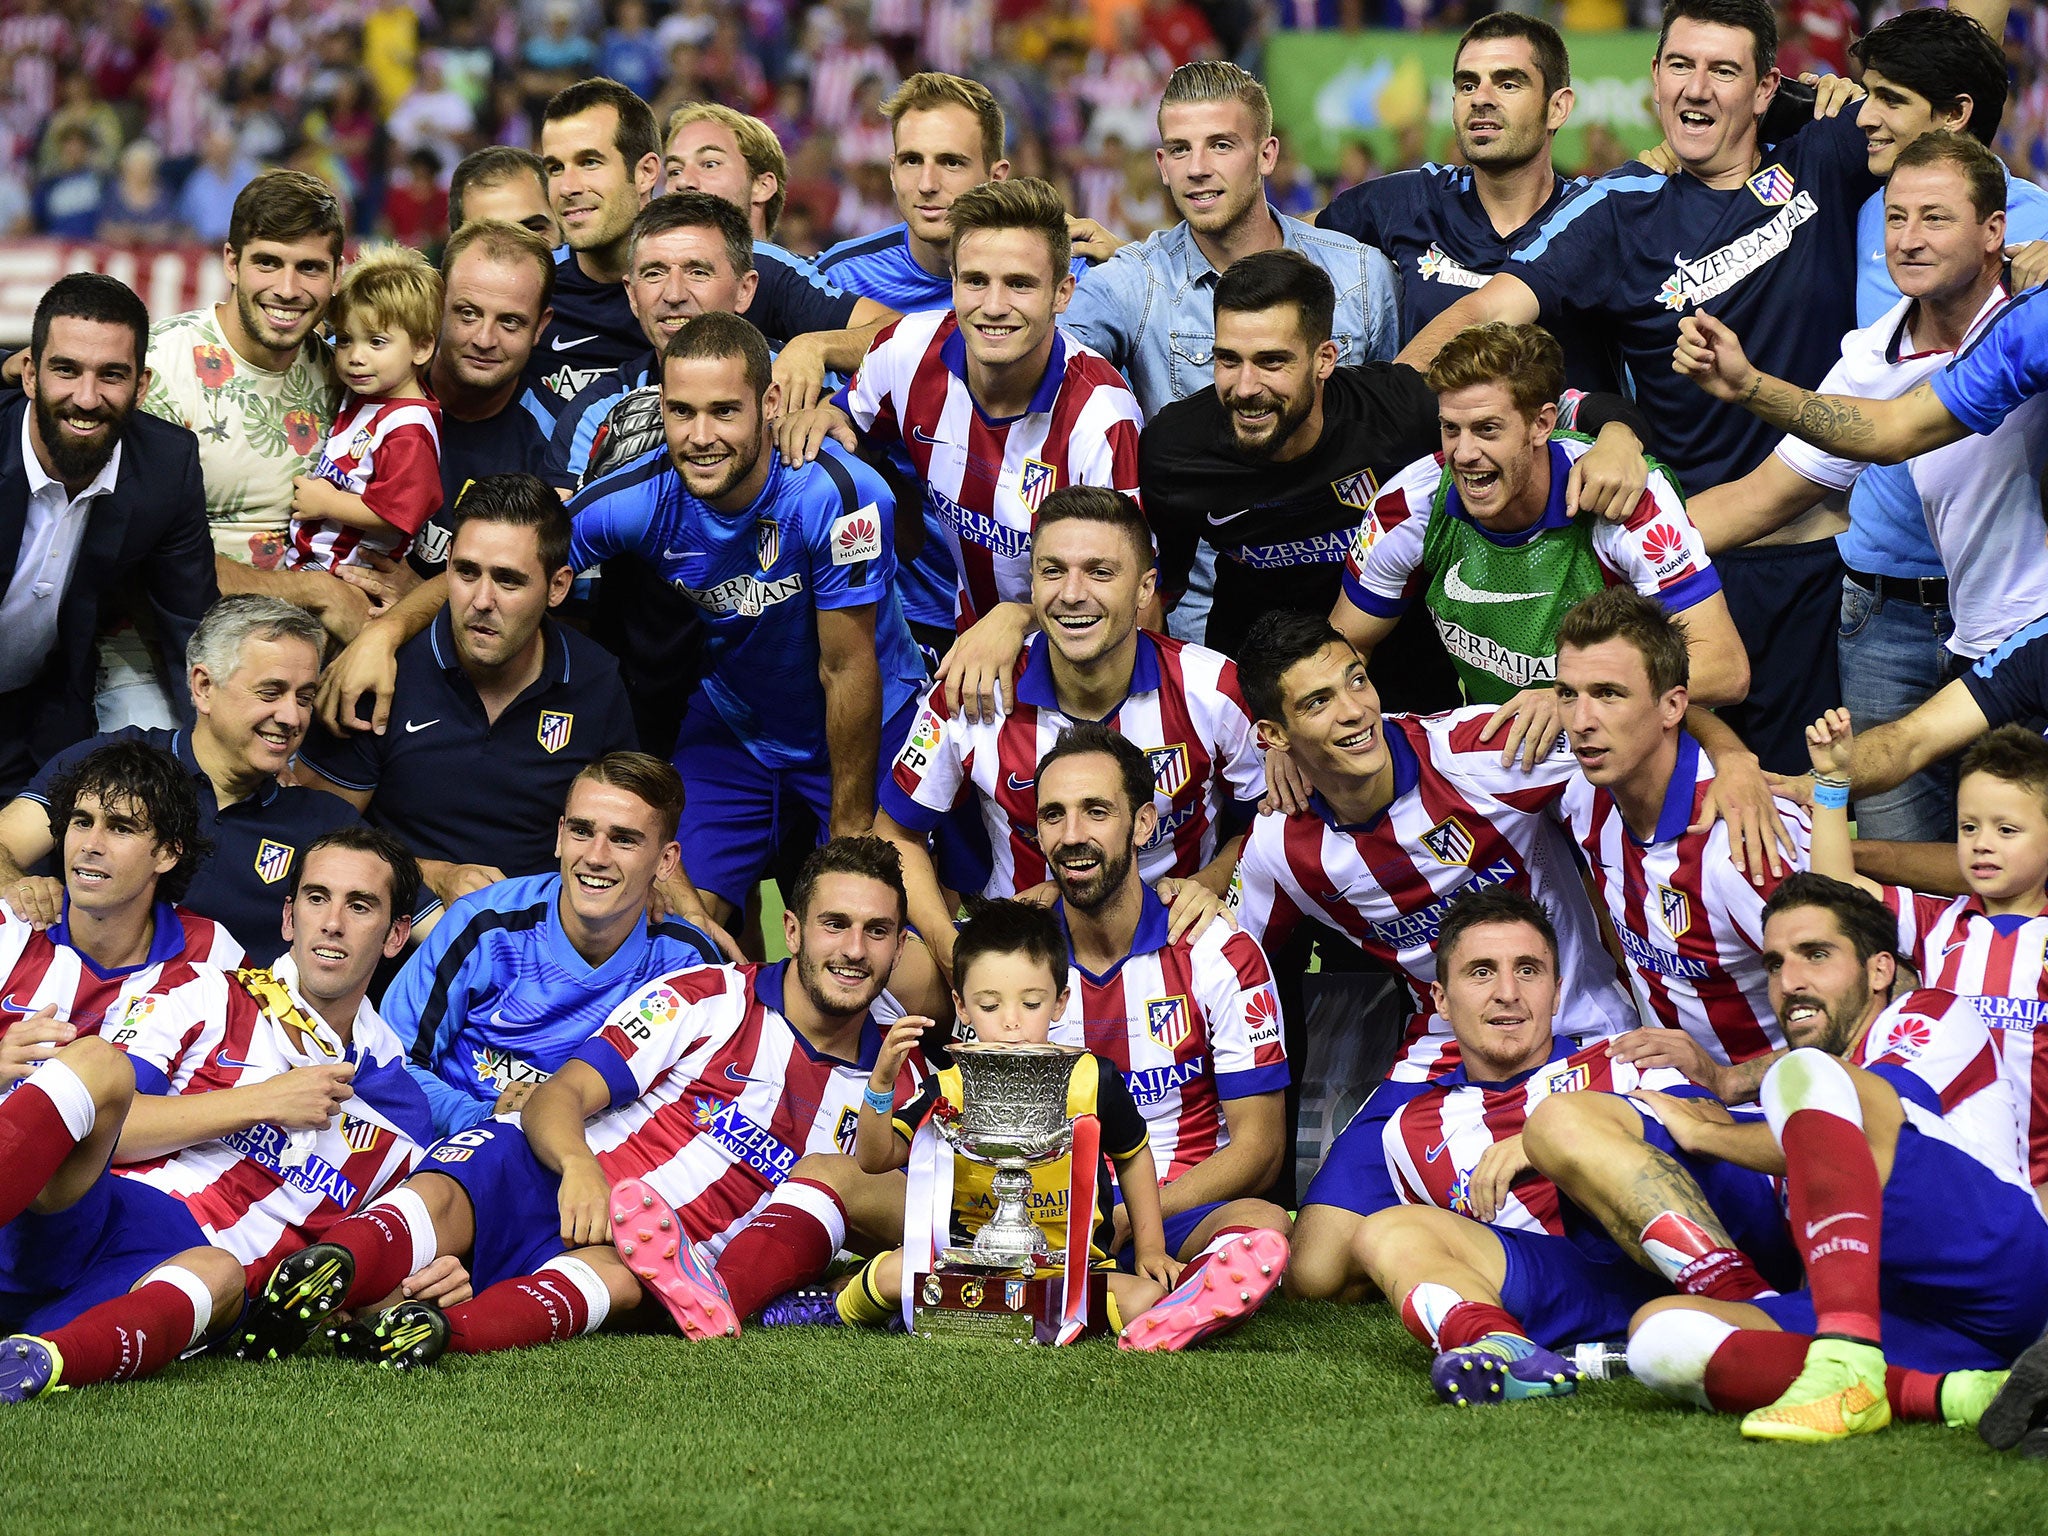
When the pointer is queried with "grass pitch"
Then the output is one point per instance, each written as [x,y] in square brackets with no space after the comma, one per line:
[1315,1418]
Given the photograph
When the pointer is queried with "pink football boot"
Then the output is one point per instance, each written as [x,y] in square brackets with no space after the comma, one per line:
[1228,1289]
[651,1241]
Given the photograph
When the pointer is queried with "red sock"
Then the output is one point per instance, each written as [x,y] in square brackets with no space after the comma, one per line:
[34,1142]
[1442,1319]
[381,1244]
[529,1309]
[1753,1367]
[1836,1204]
[1201,1260]
[133,1335]
[1695,1264]
[790,1242]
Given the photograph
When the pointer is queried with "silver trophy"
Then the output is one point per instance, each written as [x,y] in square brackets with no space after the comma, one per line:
[1015,1116]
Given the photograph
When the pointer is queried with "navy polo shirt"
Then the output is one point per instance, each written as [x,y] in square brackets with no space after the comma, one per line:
[456,786]
[257,841]
[515,441]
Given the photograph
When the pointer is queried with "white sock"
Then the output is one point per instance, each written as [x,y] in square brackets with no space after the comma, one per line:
[196,1290]
[412,1210]
[1808,1079]
[1671,1350]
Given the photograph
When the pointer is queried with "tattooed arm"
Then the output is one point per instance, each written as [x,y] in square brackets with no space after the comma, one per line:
[1875,431]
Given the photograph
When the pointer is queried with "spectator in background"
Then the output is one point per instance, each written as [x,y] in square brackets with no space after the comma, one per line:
[139,208]
[434,117]
[415,205]
[352,130]
[558,54]
[182,90]
[631,53]
[67,201]
[79,109]
[206,204]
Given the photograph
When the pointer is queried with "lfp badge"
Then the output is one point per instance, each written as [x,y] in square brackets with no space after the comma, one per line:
[554,730]
[273,860]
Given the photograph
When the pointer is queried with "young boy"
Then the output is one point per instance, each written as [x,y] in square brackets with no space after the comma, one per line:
[1010,984]
[379,477]
[1993,942]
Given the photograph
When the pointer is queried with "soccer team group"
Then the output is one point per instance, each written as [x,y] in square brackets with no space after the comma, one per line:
[1260,589]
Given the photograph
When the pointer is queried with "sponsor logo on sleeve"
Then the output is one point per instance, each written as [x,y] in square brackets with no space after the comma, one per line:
[857,536]
[1664,547]
[1262,1017]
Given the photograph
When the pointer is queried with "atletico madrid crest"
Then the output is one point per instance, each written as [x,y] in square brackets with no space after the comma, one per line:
[1675,907]
[554,730]
[767,542]
[1169,768]
[1036,483]
[273,861]
[1167,1021]
[1772,186]
[1448,842]
[361,1135]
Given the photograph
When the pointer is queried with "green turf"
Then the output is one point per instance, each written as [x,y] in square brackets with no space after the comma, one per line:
[1313,1419]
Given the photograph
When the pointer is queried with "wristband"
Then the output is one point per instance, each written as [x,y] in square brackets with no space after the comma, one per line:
[880,1100]
[1830,797]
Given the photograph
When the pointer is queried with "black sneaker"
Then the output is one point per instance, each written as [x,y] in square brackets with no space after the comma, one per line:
[2022,1403]
[410,1335]
[301,1293]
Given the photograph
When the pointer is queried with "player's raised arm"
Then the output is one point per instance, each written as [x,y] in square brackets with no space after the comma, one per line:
[1504,297]
[930,913]
[851,675]
[1761,502]
[553,1122]
[878,1145]
[1890,754]
[1875,431]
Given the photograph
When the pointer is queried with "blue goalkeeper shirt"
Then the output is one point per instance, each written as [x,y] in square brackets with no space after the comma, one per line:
[819,536]
[497,995]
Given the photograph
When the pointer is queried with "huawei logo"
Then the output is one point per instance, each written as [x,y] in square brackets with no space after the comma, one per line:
[857,533]
[1662,542]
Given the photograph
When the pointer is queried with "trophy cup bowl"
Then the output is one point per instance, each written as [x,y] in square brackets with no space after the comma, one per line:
[1014,1115]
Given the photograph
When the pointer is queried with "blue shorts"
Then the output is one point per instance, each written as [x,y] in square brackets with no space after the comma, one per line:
[54,1267]
[1963,1276]
[513,1200]
[1562,1295]
[1354,1174]
[736,812]
[1180,1229]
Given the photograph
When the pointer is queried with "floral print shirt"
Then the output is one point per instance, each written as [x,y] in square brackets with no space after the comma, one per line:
[257,429]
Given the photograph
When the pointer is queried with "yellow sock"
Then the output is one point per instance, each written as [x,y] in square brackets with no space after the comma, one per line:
[860,1303]
[1112,1311]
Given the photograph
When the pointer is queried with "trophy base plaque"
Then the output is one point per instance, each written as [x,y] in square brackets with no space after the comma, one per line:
[1002,1306]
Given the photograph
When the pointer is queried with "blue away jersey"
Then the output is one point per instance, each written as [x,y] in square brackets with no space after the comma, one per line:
[497,995]
[1436,232]
[1774,258]
[818,536]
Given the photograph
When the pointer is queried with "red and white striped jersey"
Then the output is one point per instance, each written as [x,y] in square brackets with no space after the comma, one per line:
[389,453]
[1435,1140]
[716,1095]
[1936,1049]
[265,1192]
[43,968]
[1189,1025]
[1459,821]
[984,479]
[1690,923]
[1183,709]
[2003,963]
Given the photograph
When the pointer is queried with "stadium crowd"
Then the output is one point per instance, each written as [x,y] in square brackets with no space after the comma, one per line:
[412,673]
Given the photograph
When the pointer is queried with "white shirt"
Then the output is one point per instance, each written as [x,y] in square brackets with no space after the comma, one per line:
[1981,496]
[49,550]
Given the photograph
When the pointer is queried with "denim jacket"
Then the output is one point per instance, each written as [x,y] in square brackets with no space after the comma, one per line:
[1150,308]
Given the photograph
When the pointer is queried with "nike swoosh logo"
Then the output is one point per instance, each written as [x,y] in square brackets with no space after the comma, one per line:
[411,726]
[682,554]
[1435,1152]
[19,1007]
[922,436]
[1456,589]
[1815,1228]
[738,1076]
[498,1017]
[223,1059]
[559,345]
[1020,785]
